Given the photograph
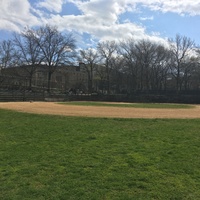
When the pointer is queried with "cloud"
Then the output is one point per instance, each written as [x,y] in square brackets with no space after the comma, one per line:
[104,9]
[191,7]
[146,18]
[13,17]
[98,18]
[51,5]
[182,7]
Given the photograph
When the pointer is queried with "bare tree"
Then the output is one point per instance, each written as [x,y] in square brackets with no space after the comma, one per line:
[146,64]
[7,54]
[29,52]
[107,51]
[118,77]
[128,50]
[90,58]
[101,78]
[56,48]
[180,48]
[159,67]
[145,53]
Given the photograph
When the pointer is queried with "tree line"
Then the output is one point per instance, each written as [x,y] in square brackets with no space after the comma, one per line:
[124,66]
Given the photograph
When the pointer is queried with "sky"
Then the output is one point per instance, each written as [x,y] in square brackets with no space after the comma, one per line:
[92,21]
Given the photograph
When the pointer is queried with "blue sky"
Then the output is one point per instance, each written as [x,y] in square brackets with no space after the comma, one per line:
[99,20]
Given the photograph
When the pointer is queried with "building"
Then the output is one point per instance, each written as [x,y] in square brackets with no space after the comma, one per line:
[63,78]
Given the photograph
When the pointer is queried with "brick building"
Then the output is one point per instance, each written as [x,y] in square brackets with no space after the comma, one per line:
[63,78]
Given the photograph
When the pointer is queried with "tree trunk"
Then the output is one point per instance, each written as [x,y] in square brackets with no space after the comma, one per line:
[49,82]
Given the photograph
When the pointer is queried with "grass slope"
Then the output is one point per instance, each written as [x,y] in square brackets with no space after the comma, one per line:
[52,157]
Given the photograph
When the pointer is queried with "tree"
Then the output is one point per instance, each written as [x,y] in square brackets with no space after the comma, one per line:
[101,78]
[118,77]
[128,50]
[107,51]
[56,48]
[180,48]
[29,52]
[89,57]
[7,54]
[159,67]
[196,72]
[145,53]
[146,64]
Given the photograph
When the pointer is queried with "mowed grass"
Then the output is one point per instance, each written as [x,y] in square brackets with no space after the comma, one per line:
[52,157]
[130,105]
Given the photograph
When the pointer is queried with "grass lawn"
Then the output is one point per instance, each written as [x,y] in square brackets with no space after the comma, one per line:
[133,105]
[51,157]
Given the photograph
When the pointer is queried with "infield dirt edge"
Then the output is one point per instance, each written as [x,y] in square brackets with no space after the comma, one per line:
[52,108]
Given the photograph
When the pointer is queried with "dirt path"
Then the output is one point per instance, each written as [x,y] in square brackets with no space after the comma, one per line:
[95,111]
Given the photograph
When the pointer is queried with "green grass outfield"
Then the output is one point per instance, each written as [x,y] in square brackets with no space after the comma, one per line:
[52,157]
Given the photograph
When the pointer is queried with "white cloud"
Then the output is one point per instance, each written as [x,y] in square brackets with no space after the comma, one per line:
[191,7]
[103,11]
[52,5]
[146,18]
[99,21]
[13,17]
[100,18]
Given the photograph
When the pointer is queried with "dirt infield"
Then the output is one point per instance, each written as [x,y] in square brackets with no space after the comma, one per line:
[95,111]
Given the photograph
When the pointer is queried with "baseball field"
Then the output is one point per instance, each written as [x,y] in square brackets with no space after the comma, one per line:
[87,150]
